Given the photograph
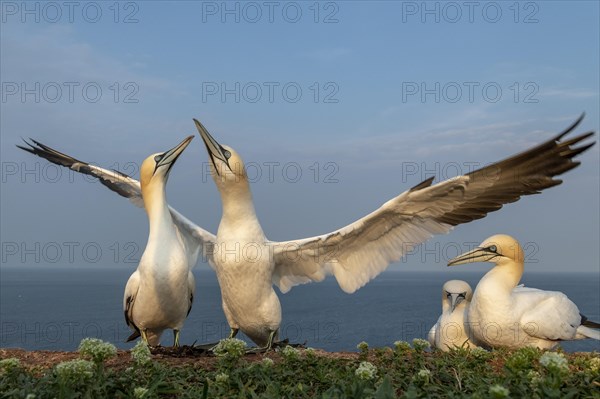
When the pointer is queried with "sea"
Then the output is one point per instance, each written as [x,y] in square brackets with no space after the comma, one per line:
[53,308]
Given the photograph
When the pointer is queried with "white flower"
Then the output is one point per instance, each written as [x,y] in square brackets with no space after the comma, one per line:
[366,371]
[362,346]
[498,391]
[267,362]
[231,348]
[222,378]
[554,361]
[290,353]
[140,354]
[423,376]
[74,371]
[534,377]
[96,349]
[420,344]
[402,346]
[140,392]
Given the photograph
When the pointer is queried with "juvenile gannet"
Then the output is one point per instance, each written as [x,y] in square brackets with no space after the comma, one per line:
[159,294]
[450,331]
[358,252]
[248,264]
[501,315]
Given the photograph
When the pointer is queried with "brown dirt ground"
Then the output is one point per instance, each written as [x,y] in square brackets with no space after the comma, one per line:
[41,360]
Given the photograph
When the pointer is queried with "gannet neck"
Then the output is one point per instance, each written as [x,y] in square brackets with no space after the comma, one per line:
[505,276]
[155,203]
[238,207]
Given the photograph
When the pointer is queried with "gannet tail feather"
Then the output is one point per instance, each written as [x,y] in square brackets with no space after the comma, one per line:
[134,335]
[588,323]
[586,332]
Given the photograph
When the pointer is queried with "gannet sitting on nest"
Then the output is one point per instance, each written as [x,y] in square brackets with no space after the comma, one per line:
[451,330]
[501,315]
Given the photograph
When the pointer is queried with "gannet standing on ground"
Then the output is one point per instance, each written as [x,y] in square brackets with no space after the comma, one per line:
[248,264]
[450,331]
[159,294]
[501,315]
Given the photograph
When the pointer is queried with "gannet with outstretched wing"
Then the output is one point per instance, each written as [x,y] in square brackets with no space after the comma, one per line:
[504,315]
[195,239]
[451,331]
[159,294]
[248,264]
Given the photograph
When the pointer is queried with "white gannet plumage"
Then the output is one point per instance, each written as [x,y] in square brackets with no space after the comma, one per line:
[451,331]
[502,314]
[248,264]
[360,251]
[159,294]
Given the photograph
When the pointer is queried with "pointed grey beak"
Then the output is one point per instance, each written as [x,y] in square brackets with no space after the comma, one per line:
[455,299]
[476,255]
[215,150]
[169,157]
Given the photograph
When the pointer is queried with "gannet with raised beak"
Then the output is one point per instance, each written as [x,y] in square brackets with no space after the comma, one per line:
[248,264]
[451,331]
[159,294]
[501,315]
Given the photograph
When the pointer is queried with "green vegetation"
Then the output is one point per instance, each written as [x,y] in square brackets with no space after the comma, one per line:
[408,371]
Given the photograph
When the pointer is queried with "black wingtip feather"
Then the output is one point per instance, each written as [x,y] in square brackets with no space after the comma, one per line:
[570,128]
[424,184]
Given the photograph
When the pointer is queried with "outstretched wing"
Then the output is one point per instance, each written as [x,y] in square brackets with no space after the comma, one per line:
[360,251]
[195,238]
[113,179]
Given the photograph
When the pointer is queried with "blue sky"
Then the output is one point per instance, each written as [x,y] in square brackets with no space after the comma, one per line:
[366,102]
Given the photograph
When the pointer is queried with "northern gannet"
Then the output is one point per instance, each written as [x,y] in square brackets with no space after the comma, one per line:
[248,264]
[159,294]
[360,251]
[501,314]
[450,331]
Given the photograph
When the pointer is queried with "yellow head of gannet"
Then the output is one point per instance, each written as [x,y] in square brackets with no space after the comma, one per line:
[500,249]
[154,172]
